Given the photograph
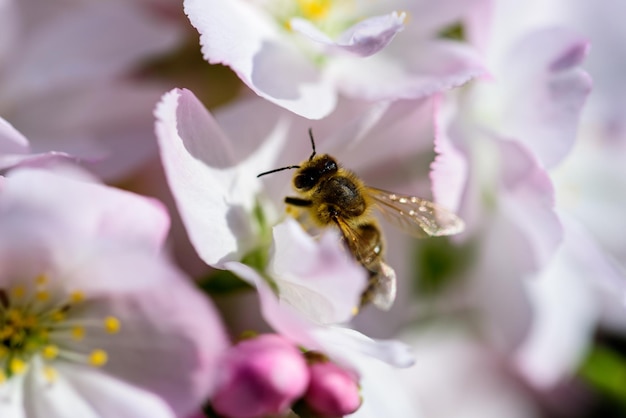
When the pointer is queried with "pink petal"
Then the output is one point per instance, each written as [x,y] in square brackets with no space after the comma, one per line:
[543,91]
[339,343]
[430,67]
[11,140]
[318,277]
[175,333]
[88,393]
[566,311]
[450,169]
[529,201]
[363,39]
[109,126]
[238,34]
[213,185]
[58,53]
[99,211]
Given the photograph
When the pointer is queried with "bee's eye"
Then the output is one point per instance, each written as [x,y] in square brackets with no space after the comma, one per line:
[330,166]
[305,180]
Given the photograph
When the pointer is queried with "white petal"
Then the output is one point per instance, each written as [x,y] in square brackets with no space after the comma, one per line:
[565,315]
[87,393]
[320,279]
[337,342]
[363,39]
[430,67]
[101,211]
[238,34]
[214,187]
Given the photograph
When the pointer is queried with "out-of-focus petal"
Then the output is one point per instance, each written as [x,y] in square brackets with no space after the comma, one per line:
[136,220]
[335,341]
[449,171]
[601,21]
[457,376]
[565,310]
[11,140]
[529,200]
[383,391]
[177,336]
[90,49]
[540,92]
[80,392]
[110,127]
[241,36]
[318,277]
[431,66]
[363,39]
[8,28]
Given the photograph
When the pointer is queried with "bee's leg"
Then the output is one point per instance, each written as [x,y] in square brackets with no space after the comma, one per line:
[296,201]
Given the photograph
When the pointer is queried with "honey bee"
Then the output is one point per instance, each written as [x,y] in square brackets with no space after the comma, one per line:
[333,195]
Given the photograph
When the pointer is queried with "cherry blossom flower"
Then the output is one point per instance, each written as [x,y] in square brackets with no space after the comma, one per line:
[531,108]
[15,149]
[495,142]
[301,54]
[64,78]
[214,178]
[94,321]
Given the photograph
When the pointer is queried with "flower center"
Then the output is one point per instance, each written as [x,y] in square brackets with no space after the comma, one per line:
[331,17]
[36,321]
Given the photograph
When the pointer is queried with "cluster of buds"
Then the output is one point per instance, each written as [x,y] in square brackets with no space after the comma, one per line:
[268,375]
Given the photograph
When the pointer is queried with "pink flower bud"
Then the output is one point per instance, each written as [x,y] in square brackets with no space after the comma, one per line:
[332,390]
[260,376]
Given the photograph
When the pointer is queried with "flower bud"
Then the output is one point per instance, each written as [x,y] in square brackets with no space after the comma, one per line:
[260,376]
[332,391]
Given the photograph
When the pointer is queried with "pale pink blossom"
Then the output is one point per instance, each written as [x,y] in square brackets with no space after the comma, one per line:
[229,213]
[495,142]
[302,55]
[111,328]
[65,78]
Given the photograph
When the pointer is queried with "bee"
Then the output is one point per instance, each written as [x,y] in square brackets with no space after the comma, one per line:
[335,196]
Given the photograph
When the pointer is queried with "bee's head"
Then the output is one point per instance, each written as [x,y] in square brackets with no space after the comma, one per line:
[312,171]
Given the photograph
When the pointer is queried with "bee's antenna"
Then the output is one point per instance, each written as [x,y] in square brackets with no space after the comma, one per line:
[312,143]
[278,169]
[291,167]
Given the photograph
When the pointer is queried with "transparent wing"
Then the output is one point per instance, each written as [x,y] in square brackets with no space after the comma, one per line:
[416,216]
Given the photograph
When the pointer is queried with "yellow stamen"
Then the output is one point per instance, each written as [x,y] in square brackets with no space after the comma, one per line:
[98,358]
[50,373]
[42,296]
[112,324]
[314,9]
[78,333]
[58,316]
[17,366]
[50,352]
[77,297]
[14,316]
[18,292]
[3,376]
[3,351]
[41,280]
[355,311]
